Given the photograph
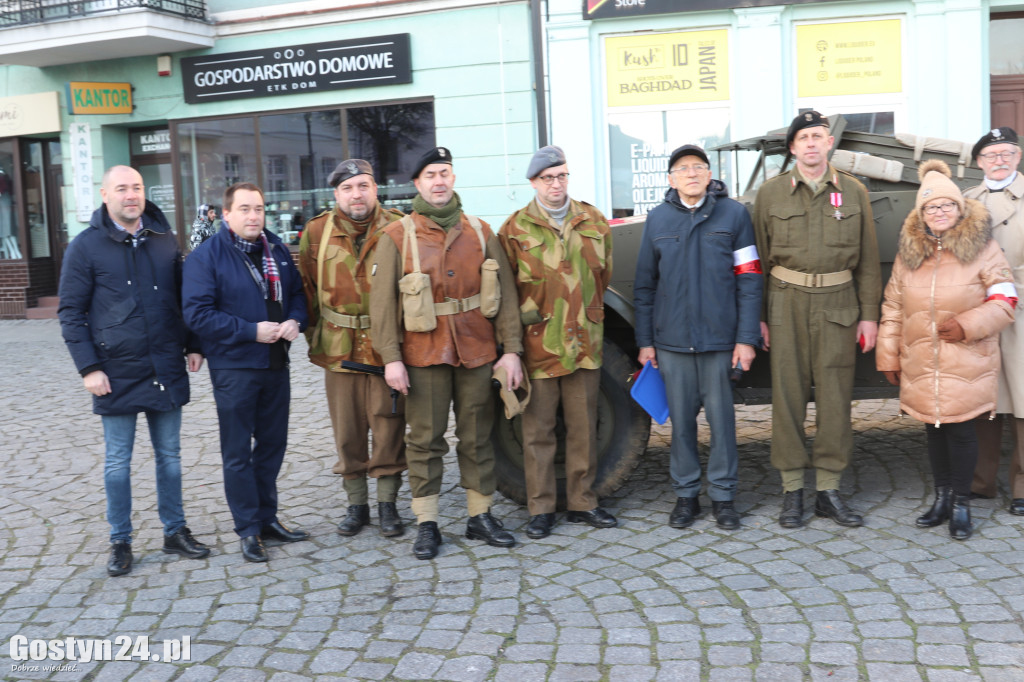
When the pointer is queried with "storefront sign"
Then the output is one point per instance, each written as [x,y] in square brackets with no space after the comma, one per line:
[609,9]
[338,65]
[29,114]
[81,165]
[667,68]
[150,142]
[848,58]
[99,98]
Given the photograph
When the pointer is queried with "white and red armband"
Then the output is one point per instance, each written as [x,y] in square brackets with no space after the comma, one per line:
[1004,291]
[746,261]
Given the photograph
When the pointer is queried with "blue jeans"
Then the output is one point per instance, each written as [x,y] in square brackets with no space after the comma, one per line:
[693,380]
[164,433]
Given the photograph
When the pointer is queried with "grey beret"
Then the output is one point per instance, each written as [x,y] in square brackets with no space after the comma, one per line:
[543,158]
[349,169]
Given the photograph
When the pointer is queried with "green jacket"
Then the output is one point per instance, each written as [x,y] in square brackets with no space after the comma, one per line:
[804,230]
[561,276]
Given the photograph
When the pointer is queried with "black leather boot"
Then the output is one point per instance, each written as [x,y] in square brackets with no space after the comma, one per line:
[428,539]
[792,515]
[390,522]
[358,516]
[830,505]
[960,518]
[940,509]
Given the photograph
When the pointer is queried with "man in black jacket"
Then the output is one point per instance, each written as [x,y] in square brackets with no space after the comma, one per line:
[698,304]
[120,315]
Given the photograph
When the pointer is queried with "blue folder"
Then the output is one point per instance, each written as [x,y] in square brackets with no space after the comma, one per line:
[649,393]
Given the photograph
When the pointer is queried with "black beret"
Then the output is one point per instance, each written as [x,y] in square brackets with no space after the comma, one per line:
[808,119]
[687,150]
[349,169]
[1004,135]
[433,155]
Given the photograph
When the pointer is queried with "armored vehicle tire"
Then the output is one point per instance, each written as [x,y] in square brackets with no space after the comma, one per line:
[622,431]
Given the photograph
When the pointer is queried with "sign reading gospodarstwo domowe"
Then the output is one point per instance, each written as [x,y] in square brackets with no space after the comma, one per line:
[667,68]
[849,58]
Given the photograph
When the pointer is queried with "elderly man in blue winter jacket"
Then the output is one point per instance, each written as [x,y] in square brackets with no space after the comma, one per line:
[698,304]
[120,314]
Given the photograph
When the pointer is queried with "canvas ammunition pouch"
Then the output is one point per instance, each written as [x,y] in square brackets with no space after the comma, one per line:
[419,311]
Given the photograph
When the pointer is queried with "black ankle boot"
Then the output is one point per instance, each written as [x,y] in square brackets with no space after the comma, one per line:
[960,518]
[940,508]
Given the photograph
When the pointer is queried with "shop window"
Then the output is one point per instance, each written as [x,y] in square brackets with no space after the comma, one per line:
[10,247]
[291,156]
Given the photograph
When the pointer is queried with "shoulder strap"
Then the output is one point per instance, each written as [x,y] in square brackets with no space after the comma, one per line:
[478,228]
[325,236]
[409,237]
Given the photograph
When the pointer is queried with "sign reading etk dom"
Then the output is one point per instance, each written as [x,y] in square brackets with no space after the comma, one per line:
[337,65]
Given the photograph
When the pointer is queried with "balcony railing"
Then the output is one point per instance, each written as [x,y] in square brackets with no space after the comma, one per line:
[25,12]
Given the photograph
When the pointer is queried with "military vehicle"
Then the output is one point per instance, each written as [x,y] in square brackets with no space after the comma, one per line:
[887,165]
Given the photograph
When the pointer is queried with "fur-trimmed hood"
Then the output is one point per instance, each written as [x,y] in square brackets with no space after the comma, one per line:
[966,240]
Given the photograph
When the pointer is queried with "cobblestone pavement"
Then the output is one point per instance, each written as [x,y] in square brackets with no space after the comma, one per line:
[639,602]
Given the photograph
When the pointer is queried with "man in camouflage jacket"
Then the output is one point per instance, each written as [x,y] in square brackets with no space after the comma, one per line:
[561,253]
[335,275]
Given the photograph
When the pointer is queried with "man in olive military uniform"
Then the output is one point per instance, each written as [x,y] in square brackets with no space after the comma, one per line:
[816,238]
[450,361]
[335,275]
[998,153]
[561,253]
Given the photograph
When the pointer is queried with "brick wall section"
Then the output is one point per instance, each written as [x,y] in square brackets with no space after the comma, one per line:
[43,280]
[13,285]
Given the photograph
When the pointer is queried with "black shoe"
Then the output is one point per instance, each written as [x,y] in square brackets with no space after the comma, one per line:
[120,561]
[427,541]
[253,549]
[489,529]
[277,531]
[540,526]
[940,509]
[596,517]
[831,506]
[792,515]
[390,522]
[684,513]
[184,544]
[725,514]
[1017,506]
[358,516]
[960,518]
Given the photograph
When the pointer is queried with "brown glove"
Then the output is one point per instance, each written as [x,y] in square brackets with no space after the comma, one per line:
[892,377]
[951,331]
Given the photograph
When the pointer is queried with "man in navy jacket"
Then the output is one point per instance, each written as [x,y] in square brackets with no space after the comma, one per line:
[698,308]
[243,297]
[120,315]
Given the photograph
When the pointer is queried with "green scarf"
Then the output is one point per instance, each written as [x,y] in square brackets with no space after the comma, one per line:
[446,216]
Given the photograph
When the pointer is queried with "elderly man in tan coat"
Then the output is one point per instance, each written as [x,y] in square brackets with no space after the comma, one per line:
[998,153]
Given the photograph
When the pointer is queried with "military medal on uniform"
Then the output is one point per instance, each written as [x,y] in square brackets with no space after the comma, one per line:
[836,199]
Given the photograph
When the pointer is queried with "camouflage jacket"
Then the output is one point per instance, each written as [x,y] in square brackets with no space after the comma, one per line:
[345,286]
[561,277]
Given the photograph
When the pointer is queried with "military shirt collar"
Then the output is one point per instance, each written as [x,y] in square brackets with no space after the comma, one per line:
[831,176]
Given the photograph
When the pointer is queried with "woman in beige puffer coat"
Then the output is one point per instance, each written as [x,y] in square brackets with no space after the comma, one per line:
[950,294]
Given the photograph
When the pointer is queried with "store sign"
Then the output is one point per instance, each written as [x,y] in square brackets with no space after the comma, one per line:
[609,9]
[99,98]
[29,114]
[667,68]
[849,58]
[150,142]
[315,67]
[80,139]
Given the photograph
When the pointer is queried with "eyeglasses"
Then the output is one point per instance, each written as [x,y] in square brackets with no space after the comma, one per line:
[697,168]
[549,179]
[945,208]
[1002,156]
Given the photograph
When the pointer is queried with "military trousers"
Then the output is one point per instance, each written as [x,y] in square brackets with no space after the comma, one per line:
[813,343]
[361,403]
[577,394]
[432,390]
[990,437]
